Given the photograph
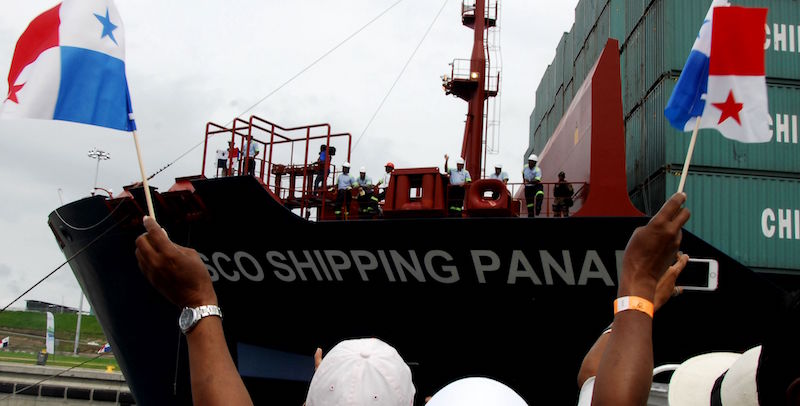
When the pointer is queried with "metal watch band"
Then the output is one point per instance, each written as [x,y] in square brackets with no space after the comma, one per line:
[190,316]
[209,310]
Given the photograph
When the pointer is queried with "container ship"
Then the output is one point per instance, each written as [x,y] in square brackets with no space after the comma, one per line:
[744,197]
[494,291]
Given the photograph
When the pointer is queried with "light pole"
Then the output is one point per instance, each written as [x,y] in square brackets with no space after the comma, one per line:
[99,156]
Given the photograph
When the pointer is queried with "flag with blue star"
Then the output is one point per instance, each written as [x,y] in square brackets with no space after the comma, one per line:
[108,26]
[69,65]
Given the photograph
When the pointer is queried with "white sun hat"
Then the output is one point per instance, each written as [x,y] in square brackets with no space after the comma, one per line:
[728,378]
[476,391]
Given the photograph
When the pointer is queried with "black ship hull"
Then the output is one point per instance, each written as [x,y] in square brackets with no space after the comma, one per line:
[521,305]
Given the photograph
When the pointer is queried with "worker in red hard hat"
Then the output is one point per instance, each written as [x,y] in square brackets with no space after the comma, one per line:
[383,182]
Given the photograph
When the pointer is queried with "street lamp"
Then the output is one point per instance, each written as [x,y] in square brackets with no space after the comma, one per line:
[99,156]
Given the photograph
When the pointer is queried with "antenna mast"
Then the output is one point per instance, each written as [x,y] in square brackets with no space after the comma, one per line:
[473,80]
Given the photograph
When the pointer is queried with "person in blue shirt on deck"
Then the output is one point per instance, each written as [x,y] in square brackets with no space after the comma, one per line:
[500,175]
[322,171]
[344,184]
[250,158]
[458,178]
[534,192]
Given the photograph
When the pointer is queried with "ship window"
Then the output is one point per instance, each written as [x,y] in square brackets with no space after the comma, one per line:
[414,193]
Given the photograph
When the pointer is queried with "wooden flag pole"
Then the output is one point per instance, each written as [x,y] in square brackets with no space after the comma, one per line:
[689,156]
[144,178]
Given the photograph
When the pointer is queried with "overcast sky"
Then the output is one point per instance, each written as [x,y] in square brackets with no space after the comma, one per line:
[190,62]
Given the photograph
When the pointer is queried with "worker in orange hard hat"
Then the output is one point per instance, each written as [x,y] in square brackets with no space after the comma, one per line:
[383,183]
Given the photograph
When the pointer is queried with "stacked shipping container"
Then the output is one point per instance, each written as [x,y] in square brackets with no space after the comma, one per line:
[745,198]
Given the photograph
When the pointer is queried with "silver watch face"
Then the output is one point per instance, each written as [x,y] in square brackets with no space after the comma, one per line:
[187,318]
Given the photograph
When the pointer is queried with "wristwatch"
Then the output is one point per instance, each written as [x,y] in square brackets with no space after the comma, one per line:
[190,316]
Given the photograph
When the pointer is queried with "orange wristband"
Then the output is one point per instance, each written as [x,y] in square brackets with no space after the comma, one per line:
[633,303]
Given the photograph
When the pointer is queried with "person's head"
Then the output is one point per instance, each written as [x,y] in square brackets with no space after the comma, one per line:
[532,160]
[323,147]
[362,172]
[476,391]
[230,144]
[460,163]
[768,374]
[498,168]
[562,176]
[346,167]
[389,167]
[361,372]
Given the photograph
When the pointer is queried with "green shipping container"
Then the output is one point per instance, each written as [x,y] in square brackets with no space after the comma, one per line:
[652,144]
[558,63]
[569,94]
[660,43]
[754,219]
[634,10]
[658,37]
[568,58]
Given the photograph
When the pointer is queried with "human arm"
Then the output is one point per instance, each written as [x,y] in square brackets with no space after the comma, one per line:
[625,370]
[664,290]
[537,176]
[180,276]
[446,158]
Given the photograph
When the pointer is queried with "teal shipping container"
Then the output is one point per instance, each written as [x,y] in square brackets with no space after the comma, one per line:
[754,219]
[662,38]
[656,37]
[652,144]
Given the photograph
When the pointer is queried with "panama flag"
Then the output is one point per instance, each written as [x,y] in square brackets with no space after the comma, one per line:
[723,82]
[69,65]
[104,349]
[4,342]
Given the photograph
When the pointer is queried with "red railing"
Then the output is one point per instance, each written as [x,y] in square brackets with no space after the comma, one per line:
[489,12]
[271,162]
[461,70]
[578,194]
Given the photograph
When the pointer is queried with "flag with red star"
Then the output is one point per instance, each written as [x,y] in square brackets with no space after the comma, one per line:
[727,90]
[69,65]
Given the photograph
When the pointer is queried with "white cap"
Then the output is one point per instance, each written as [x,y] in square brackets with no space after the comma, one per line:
[695,381]
[362,372]
[498,166]
[476,391]
[346,165]
[533,157]
[460,161]
[363,169]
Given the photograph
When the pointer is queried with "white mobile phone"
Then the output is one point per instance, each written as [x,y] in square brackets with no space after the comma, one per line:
[699,274]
